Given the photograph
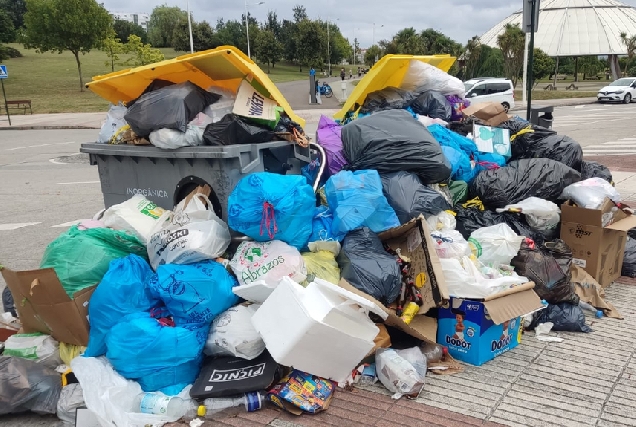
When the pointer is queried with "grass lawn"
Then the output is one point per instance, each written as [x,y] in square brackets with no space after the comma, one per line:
[51,80]
[283,72]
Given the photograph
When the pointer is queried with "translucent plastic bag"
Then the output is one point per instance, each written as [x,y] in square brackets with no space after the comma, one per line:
[232,334]
[357,200]
[136,215]
[71,398]
[28,386]
[114,121]
[591,193]
[322,265]
[170,139]
[82,257]
[450,244]
[422,76]
[498,244]
[193,234]
[402,372]
[40,348]
[442,221]
[540,214]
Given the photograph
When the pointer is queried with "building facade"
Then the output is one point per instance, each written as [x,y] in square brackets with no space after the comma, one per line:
[136,18]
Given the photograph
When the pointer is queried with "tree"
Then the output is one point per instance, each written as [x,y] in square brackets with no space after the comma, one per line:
[542,66]
[288,39]
[113,47]
[124,29]
[231,33]
[273,25]
[66,25]
[300,13]
[268,48]
[472,58]
[512,43]
[311,44]
[591,66]
[630,44]
[162,24]
[7,30]
[203,37]
[16,10]
[490,62]
[407,41]
[142,54]
[372,52]
[435,42]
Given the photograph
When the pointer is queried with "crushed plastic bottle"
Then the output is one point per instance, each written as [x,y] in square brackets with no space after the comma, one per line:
[433,352]
[591,309]
[160,404]
[227,406]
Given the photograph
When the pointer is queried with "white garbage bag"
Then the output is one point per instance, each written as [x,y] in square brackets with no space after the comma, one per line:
[232,334]
[170,139]
[114,121]
[110,396]
[450,244]
[540,214]
[194,233]
[498,244]
[40,348]
[71,398]
[422,77]
[591,193]
[402,372]
[137,215]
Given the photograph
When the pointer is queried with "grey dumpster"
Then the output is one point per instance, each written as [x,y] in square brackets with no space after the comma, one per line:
[167,176]
[544,119]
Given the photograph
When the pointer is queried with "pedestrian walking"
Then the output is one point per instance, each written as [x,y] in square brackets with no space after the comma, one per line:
[342,73]
[350,73]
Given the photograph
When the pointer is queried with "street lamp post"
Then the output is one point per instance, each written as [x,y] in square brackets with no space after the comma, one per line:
[374,33]
[247,27]
[190,26]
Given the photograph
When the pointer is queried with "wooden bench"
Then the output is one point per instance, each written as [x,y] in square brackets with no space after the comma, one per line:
[21,104]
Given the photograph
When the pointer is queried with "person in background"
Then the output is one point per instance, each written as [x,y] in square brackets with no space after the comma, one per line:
[342,73]
[350,73]
[312,72]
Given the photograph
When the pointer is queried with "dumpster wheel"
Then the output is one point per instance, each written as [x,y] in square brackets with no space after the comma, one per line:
[188,184]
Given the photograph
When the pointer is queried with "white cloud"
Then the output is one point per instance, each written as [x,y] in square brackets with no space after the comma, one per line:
[459,19]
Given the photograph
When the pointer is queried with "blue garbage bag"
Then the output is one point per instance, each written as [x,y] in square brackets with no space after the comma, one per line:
[448,138]
[267,206]
[460,162]
[161,358]
[322,226]
[357,200]
[194,294]
[310,172]
[487,161]
[122,291]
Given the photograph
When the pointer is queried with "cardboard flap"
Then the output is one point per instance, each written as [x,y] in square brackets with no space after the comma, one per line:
[624,224]
[40,286]
[515,290]
[513,305]
[491,113]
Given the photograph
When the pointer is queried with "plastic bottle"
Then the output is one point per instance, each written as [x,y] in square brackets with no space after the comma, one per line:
[228,406]
[160,404]
[591,309]
[433,352]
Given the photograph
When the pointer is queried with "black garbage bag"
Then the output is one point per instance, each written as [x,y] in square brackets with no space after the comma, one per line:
[472,219]
[434,105]
[555,147]
[526,131]
[565,316]
[389,98]
[595,170]
[548,266]
[28,386]
[392,141]
[155,85]
[629,261]
[232,129]
[410,198]
[520,179]
[171,107]
[7,302]
[368,267]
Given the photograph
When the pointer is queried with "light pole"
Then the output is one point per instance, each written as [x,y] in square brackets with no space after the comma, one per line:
[374,33]
[190,26]
[247,27]
[354,46]
[328,49]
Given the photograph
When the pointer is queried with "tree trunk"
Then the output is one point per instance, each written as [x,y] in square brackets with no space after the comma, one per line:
[267,67]
[576,70]
[79,70]
[614,67]
[626,66]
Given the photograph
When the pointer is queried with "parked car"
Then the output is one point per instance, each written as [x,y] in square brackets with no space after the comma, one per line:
[489,89]
[622,90]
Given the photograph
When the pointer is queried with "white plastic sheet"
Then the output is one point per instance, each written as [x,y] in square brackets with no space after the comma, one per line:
[591,193]
[540,214]
[170,139]
[499,244]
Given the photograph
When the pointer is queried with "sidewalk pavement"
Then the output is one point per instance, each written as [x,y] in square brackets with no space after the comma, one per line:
[563,102]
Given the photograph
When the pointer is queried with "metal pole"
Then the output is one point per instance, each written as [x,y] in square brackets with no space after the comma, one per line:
[190,27]
[328,52]
[373,39]
[6,106]
[530,60]
[525,70]
[354,47]
[247,31]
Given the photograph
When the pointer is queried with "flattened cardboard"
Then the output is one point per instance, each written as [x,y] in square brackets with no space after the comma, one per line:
[414,240]
[591,292]
[491,113]
[43,305]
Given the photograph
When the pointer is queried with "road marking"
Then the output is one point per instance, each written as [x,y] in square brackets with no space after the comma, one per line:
[15,148]
[36,146]
[67,224]
[78,182]
[626,146]
[65,143]
[9,227]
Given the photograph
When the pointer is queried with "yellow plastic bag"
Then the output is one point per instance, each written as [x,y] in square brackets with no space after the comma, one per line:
[322,265]
[69,352]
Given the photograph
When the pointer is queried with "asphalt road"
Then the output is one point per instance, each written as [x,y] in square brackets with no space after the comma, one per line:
[46,186]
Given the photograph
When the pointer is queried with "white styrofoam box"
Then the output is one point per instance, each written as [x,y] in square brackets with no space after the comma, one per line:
[322,329]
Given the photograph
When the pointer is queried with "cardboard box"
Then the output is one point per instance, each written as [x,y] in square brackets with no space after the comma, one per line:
[491,113]
[492,140]
[43,305]
[597,249]
[476,331]
[414,241]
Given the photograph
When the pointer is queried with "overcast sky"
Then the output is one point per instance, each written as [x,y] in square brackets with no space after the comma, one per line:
[459,19]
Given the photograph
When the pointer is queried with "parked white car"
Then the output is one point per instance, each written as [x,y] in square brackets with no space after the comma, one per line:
[491,90]
[623,90]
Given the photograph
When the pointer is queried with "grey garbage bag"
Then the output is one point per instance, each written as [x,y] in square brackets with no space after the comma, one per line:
[392,141]
[629,261]
[389,98]
[542,178]
[566,317]
[410,198]
[595,170]
[28,386]
[368,267]
[71,398]
[434,105]
[171,107]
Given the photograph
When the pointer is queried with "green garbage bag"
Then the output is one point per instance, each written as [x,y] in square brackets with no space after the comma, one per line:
[459,191]
[81,257]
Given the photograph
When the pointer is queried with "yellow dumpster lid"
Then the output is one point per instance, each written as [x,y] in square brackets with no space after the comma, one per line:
[225,66]
[390,71]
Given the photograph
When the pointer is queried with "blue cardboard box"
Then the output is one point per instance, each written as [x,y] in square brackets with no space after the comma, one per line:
[476,331]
